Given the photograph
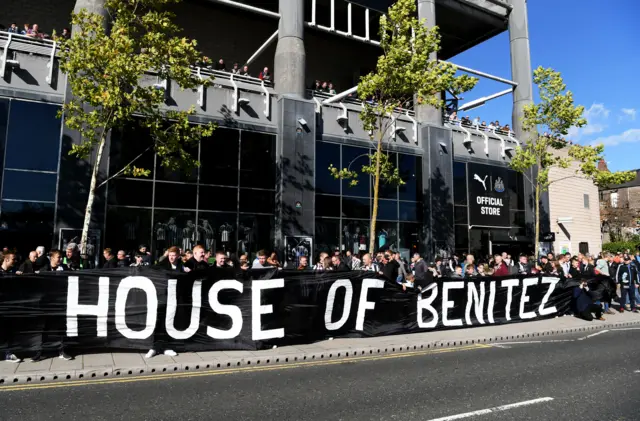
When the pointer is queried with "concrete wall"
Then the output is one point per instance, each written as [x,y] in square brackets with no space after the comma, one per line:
[29,79]
[566,199]
[475,151]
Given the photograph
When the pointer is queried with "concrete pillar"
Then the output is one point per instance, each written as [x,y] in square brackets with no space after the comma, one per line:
[290,59]
[427,114]
[520,63]
[93,6]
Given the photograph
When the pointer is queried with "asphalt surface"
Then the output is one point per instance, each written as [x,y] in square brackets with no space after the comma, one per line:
[591,379]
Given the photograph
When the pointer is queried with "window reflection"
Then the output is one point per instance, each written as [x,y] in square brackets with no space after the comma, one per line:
[353,207]
[460,183]
[388,190]
[462,239]
[257,201]
[175,195]
[25,185]
[25,225]
[355,236]
[181,175]
[125,192]
[387,210]
[411,211]
[218,198]
[131,144]
[327,205]
[256,232]
[410,167]
[386,236]
[218,231]
[25,137]
[410,239]
[219,158]
[354,158]
[327,236]
[327,154]
[258,160]
[173,228]
[128,228]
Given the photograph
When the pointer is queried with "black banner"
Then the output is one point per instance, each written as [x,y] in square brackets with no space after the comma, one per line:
[218,309]
[488,196]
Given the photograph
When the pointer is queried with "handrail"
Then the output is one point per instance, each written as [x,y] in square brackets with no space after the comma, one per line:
[267,101]
[415,127]
[200,100]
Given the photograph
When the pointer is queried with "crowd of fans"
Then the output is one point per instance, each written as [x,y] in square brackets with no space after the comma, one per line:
[618,274]
[236,69]
[33,31]
[476,123]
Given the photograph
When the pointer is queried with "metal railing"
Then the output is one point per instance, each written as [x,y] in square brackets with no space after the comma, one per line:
[498,131]
[353,100]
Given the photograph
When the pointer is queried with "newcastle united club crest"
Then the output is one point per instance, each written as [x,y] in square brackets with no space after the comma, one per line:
[498,185]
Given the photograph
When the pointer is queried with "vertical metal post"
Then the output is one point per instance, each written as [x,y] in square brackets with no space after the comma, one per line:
[366,24]
[333,15]
[313,12]
[349,31]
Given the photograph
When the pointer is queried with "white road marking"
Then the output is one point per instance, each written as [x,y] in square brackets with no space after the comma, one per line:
[637,371]
[492,410]
[593,334]
[499,346]
[537,342]
[627,328]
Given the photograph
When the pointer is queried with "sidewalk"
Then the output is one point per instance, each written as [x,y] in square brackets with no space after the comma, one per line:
[131,364]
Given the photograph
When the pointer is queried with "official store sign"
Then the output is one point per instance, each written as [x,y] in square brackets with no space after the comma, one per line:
[488,196]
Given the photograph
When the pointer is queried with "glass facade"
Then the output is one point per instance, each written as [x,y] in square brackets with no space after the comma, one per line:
[227,203]
[28,179]
[476,240]
[343,212]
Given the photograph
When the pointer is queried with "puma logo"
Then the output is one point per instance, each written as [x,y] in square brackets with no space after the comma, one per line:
[481,181]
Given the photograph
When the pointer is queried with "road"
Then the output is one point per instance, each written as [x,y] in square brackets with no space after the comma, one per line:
[568,379]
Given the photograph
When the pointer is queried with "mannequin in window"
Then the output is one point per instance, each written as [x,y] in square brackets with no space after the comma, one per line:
[207,235]
[225,234]
[382,238]
[188,235]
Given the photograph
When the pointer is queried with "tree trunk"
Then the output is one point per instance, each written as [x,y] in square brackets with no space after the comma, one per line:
[92,195]
[376,193]
[537,237]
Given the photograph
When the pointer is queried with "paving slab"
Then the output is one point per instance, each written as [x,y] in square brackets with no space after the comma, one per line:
[91,361]
[59,365]
[29,367]
[124,360]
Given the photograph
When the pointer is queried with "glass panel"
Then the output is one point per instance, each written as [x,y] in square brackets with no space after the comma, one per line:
[25,137]
[479,242]
[127,145]
[387,190]
[515,188]
[258,160]
[327,236]
[219,158]
[327,154]
[461,215]
[410,239]
[217,231]
[355,208]
[258,201]
[164,174]
[327,205]
[127,228]
[410,167]
[218,198]
[462,239]
[517,219]
[354,158]
[257,233]
[26,225]
[460,183]
[173,228]
[4,116]
[411,211]
[23,185]
[175,195]
[386,236]
[355,236]
[125,192]
[387,210]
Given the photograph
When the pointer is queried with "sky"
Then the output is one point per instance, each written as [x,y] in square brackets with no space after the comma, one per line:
[594,44]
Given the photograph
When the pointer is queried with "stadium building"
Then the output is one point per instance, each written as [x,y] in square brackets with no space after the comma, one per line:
[264,177]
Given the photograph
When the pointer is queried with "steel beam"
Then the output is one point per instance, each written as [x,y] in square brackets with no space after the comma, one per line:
[481,101]
[339,96]
[243,6]
[263,47]
[483,74]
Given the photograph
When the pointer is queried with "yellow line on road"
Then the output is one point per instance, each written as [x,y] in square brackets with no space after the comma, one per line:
[217,372]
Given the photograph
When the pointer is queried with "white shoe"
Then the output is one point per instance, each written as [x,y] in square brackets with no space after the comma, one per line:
[11,358]
[170,353]
[152,353]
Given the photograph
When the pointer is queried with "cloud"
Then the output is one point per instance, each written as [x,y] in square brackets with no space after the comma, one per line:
[596,116]
[597,111]
[627,113]
[629,136]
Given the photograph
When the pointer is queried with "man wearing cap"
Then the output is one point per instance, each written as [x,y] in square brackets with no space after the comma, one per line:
[627,278]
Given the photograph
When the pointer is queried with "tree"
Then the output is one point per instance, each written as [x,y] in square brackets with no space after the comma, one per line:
[556,114]
[108,73]
[404,73]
